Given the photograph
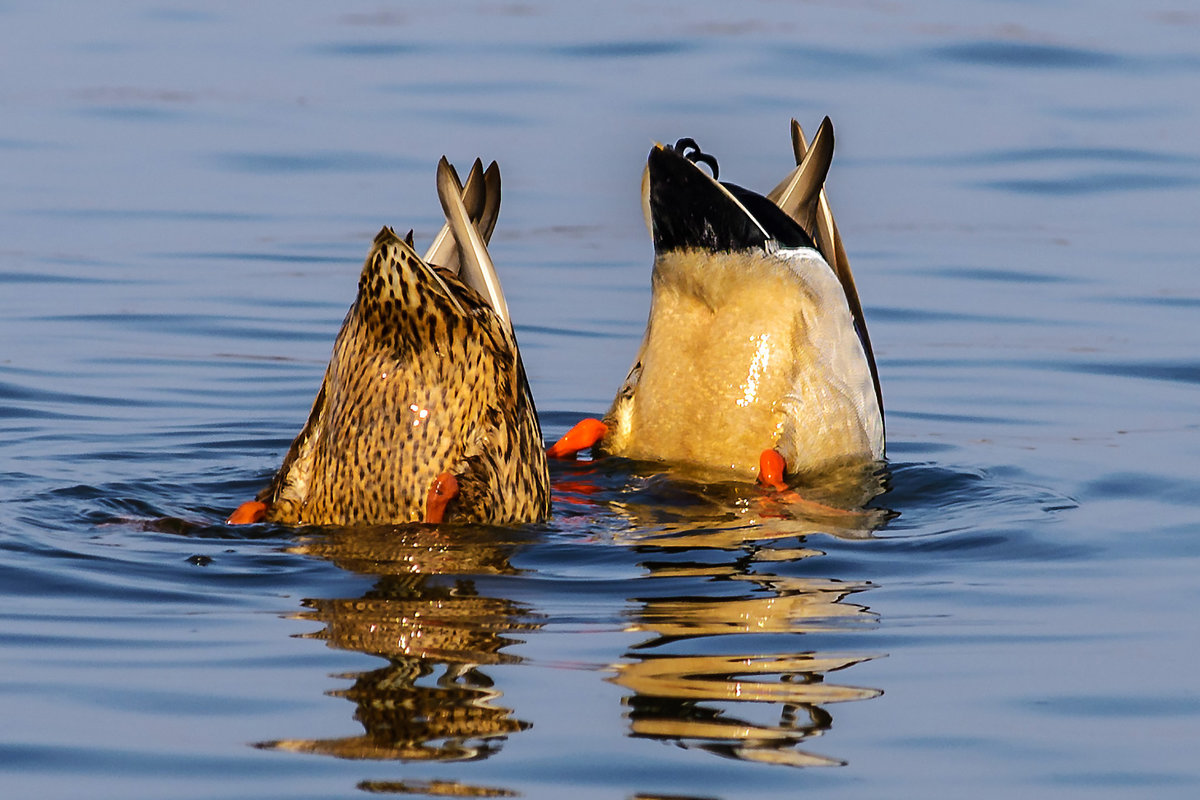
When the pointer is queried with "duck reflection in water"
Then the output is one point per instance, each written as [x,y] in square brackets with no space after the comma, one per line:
[729,596]
[704,690]
[433,701]
[720,665]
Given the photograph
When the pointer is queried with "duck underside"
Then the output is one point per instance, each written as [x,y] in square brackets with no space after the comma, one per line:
[746,351]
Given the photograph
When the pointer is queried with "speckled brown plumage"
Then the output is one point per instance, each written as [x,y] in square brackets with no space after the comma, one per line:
[425,378]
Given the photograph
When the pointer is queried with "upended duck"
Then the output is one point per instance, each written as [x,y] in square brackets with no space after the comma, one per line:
[425,413]
[756,359]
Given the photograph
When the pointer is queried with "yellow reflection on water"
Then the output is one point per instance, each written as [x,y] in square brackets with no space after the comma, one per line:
[435,789]
[704,691]
[432,701]
[726,670]
[724,613]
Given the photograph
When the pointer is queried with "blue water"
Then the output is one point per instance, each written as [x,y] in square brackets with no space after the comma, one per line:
[187,192]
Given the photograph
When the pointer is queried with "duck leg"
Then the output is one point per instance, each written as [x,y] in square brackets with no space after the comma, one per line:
[771,467]
[585,434]
[443,490]
[248,512]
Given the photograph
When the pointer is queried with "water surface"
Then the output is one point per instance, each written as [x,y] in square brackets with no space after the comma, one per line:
[186,195]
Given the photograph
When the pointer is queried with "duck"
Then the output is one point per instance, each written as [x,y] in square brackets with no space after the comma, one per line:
[756,363]
[425,414]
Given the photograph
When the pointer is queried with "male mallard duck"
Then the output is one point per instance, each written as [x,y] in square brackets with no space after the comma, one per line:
[425,413]
[756,358]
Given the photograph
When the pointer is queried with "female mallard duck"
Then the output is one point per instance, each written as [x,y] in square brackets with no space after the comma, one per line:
[425,413]
[756,358]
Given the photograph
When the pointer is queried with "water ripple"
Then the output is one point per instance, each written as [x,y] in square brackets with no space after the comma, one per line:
[274,163]
[1026,55]
[1091,183]
[623,49]
[1174,371]
[375,49]
[1116,155]
[1001,275]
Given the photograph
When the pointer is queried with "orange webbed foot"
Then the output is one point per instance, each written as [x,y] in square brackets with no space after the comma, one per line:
[771,468]
[443,490]
[585,434]
[247,513]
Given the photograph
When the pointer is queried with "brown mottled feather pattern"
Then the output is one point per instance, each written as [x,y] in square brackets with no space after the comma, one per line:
[415,388]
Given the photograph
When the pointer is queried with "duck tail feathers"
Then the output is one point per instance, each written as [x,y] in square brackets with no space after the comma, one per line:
[475,264]
[798,194]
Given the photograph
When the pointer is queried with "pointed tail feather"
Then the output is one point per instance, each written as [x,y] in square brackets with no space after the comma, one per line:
[798,194]
[477,269]
[829,242]
[481,197]
[486,221]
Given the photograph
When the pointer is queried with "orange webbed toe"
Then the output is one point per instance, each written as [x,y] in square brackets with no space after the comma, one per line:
[247,513]
[443,490]
[586,433]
